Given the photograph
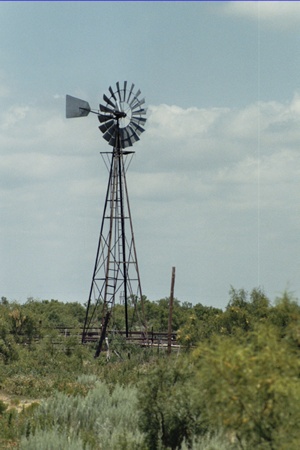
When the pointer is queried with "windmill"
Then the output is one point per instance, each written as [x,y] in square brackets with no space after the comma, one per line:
[116,273]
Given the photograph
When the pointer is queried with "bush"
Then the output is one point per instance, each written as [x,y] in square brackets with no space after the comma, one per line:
[212,441]
[2,407]
[251,388]
[52,440]
[169,413]
[102,419]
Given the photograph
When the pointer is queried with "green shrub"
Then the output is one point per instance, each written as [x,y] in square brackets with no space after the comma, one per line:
[8,350]
[102,419]
[52,440]
[251,387]
[169,413]
[213,441]
[2,407]
[29,385]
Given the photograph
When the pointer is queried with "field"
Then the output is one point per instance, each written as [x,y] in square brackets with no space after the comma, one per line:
[233,382]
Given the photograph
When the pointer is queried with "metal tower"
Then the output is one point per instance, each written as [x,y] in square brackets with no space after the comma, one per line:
[116,273]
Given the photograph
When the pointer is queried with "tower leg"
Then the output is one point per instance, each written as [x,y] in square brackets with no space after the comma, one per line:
[116,271]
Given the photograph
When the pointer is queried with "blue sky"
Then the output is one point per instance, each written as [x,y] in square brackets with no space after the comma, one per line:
[214,183]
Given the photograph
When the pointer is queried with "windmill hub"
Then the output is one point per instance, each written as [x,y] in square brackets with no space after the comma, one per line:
[120,114]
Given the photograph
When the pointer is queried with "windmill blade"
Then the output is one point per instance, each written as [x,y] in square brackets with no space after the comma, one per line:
[123,133]
[136,130]
[112,93]
[137,127]
[106,137]
[138,119]
[106,126]
[131,89]
[122,140]
[104,118]
[140,111]
[137,103]
[126,138]
[119,90]
[127,143]
[113,141]
[106,109]
[135,100]
[134,138]
[110,132]
[108,100]
[136,107]
[125,86]
[75,107]
[118,106]
[110,138]
[133,134]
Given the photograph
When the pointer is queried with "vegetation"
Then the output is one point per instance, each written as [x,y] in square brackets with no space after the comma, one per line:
[232,384]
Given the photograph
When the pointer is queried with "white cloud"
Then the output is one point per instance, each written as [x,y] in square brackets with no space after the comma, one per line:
[13,116]
[198,183]
[175,123]
[279,14]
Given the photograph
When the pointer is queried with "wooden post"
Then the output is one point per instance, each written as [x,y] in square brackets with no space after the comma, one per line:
[171,311]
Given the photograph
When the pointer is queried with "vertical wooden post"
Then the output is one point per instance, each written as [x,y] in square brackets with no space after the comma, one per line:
[171,311]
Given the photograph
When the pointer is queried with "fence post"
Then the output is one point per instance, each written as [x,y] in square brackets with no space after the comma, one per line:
[171,311]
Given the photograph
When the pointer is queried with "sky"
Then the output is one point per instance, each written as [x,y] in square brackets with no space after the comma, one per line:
[214,183]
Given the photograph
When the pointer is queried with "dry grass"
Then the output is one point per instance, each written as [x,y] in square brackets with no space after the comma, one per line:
[13,402]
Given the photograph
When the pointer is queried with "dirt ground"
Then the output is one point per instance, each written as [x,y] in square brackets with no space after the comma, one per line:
[16,402]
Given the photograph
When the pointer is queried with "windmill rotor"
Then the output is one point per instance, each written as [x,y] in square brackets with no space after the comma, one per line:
[122,117]
[122,113]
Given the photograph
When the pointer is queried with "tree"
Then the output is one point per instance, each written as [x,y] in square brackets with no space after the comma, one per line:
[24,327]
[4,301]
[8,349]
[250,386]
[285,311]
[168,411]
[200,323]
